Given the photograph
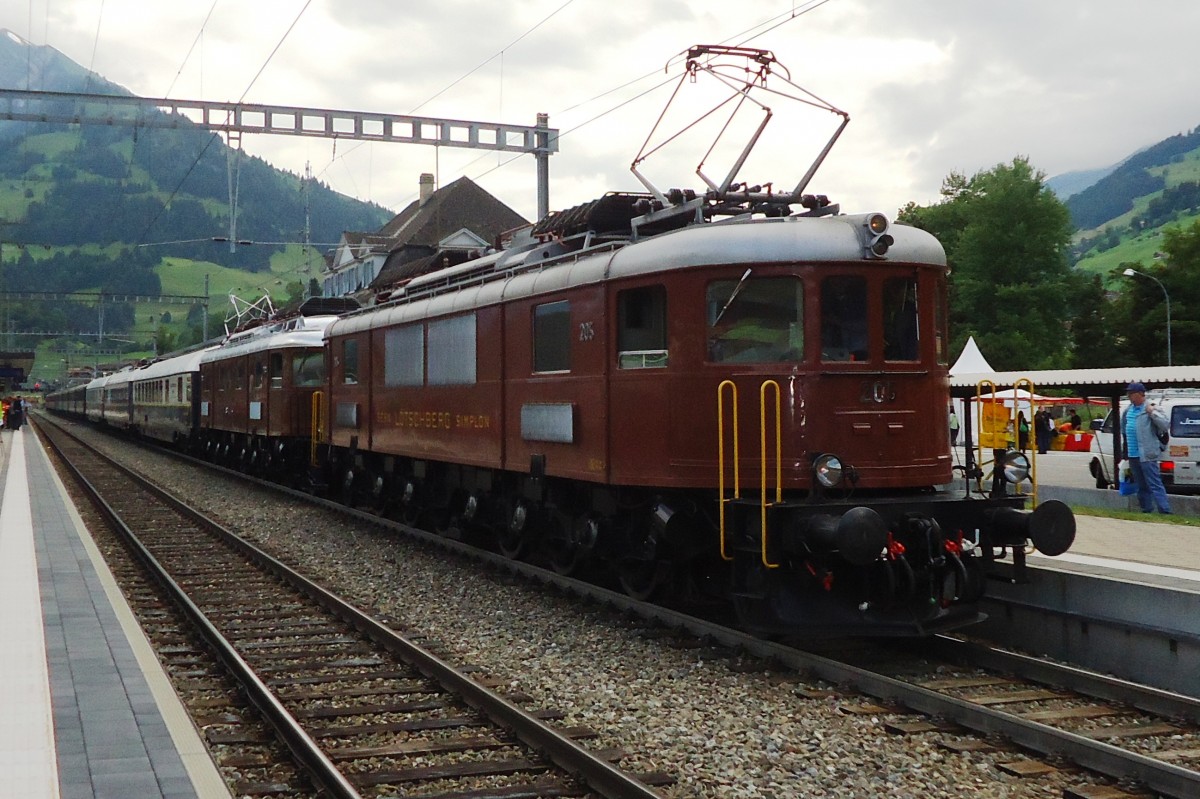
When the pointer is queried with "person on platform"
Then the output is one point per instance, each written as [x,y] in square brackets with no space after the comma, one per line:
[1022,431]
[1141,425]
[16,413]
[1043,430]
[953,427]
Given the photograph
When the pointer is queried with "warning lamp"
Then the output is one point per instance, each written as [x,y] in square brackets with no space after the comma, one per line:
[878,239]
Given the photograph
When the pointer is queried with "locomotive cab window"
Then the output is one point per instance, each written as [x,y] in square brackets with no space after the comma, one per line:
[350,361]
[276,370]
[642,328]
[308,370]
[755,319]
[552,337]
[901,333]
[844,318]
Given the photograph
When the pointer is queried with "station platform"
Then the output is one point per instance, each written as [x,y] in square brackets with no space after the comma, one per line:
[87,709]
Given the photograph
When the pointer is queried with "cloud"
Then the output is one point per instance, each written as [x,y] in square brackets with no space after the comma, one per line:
[932,86]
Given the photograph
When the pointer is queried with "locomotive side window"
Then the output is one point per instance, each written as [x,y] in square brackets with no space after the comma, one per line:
[451,345]
[552,337]
[276,370]
[901,336]
[755,320]
[350,361]
[939,328]
[844,318]
[308,370]
[404,356]
[642,328]
[259,374]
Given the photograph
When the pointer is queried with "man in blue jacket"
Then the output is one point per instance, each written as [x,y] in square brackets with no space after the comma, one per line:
[1141,424]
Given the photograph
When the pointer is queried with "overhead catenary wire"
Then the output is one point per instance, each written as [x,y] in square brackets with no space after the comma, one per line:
[188,54]
[750,34]
[216,135]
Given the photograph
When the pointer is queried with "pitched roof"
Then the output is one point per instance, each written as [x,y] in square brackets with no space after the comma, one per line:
[460,204]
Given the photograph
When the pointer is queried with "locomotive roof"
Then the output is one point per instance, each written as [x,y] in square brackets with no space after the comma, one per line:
[298,331]
[547,267]
[164,367]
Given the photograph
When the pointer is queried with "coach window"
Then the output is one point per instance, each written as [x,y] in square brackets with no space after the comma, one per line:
[350,361]
[901,337]
[308,370]
[552,337]
[276,370]
[642,328]
[755,319]
[844,318]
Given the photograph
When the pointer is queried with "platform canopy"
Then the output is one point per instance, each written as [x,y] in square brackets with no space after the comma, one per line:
[14,368]
[1084,382]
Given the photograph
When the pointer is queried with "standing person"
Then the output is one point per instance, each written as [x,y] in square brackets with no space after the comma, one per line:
[1141,423]
[1022,431]
[16,414]
[953,427]
[1076,421]
[1042,430]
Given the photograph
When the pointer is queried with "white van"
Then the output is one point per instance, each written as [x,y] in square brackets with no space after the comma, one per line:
[1180,464]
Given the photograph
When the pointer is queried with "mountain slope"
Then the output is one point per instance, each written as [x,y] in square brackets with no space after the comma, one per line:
[70,186]
[1121,217]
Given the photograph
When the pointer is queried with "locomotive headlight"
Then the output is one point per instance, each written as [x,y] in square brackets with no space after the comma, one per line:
[877,224]
[828,470]
[1016,467]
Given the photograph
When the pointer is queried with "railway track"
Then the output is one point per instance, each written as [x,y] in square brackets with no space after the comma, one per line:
[1141,737]
[358,708]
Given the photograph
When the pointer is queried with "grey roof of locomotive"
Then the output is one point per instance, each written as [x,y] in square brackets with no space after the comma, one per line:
[545,268]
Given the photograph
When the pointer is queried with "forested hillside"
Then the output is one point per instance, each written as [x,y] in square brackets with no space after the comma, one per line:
[108,208]
[1123,213]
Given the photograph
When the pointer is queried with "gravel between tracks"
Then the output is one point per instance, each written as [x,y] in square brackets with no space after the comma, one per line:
[723,732]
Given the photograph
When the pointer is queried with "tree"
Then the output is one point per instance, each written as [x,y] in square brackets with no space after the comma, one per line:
[1006,236]
[1145,313]
[1094,331]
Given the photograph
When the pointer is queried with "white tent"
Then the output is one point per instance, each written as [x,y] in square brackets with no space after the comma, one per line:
[971,361]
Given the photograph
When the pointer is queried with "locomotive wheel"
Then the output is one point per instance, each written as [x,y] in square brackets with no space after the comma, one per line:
[640,569]
[568,541]
[517,536]
[640,579]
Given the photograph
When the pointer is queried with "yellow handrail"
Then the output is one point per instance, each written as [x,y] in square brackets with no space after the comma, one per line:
[721,455]
[317,432]
[762,427]
[979,415]
[1032,429]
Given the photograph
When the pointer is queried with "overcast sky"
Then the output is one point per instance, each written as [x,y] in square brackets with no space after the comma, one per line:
[931,86]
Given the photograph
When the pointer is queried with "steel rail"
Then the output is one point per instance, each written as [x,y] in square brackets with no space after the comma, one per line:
[1169,780]
[598,774]
[1099,686]
[306,751]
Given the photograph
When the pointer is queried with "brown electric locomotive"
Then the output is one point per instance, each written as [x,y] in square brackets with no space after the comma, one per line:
[739,391]
[755,406]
